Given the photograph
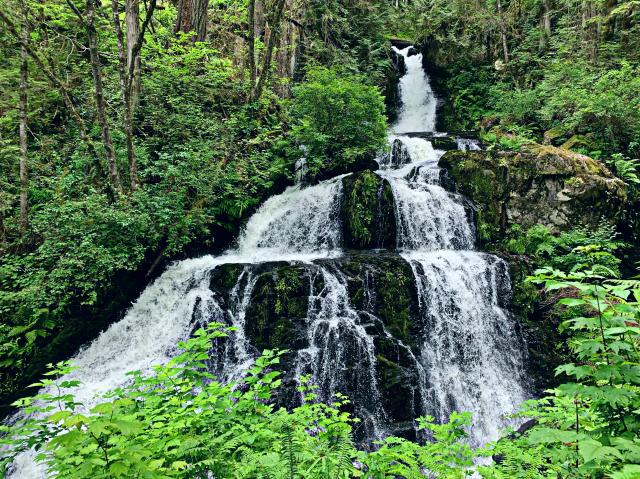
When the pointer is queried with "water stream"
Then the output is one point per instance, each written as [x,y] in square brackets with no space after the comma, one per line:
[469,355]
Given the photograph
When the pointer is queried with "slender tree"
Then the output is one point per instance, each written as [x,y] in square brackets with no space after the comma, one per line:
[129,73]
[58,84]
[132,22]
[271,43]
[98,90]
[251,43]
[545,24]
[24,73]
[126,89]
[503,32]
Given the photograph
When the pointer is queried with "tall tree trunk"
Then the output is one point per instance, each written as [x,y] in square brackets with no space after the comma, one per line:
[251,53]
[132,22]
[288,50]
[273,38]
[591,30]
[545,24]
[24,178]
[503,32]
[126,89]
[57,83]
[192,17]
[101,107]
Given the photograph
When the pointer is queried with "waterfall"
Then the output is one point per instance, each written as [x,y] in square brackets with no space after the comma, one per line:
[471,352]
[301,223]
[465,352]
[340,356]
[147,335]
[298,225]
[418,112]
[468,144]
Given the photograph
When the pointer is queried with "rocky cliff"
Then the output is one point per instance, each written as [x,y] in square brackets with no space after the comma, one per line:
[538,185]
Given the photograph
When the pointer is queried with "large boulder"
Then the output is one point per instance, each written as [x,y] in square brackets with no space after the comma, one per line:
[538,185]
[397,157]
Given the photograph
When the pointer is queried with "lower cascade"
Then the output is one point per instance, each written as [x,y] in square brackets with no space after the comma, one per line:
[421,327]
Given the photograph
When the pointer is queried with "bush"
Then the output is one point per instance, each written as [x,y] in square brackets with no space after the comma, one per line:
[338,120]
[578,249]
[181,422]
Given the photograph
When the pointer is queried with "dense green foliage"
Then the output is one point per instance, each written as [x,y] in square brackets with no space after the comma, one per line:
[209,150]
[181,422]
[340,120]
[588,426]
[578,249]
[206,154]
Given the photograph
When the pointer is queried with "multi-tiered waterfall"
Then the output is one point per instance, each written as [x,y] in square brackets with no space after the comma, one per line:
[422,328]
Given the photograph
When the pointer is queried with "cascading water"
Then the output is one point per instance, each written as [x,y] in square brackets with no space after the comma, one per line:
[298,225]
[460,352]
[471,353]
[340,355]
[418,112]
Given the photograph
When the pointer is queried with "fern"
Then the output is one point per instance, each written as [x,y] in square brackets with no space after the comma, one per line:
[626,169]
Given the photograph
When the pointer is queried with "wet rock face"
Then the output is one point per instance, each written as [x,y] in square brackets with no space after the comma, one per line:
[367,212]
[280,305]
[397,157]
[391,91]
[539,185]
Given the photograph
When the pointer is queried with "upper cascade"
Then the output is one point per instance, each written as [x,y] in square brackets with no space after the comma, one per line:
[418,110]
[301,223]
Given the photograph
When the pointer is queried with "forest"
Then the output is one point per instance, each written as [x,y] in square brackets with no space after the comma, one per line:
[312,239]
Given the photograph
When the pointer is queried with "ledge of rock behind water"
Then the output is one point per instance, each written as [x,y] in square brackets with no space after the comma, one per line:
[349,322]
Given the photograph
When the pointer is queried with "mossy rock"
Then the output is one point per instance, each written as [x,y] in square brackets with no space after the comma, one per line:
[382,292]
[278,303]
[539,185]
[368,212]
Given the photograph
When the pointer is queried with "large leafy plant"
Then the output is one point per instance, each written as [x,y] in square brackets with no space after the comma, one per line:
[589,426]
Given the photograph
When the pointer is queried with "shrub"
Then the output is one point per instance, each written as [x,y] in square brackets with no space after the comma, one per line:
[338,120]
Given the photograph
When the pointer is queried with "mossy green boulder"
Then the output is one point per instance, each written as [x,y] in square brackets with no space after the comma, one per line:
[537,185]
[368,212]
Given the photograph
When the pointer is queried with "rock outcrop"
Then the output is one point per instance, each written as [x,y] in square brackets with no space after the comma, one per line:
[368,220]
[381,291]
[538,185]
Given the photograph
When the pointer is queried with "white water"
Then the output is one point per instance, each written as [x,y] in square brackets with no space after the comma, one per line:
[147,335]
[467,144]
[418,111]
[428,216]
[469,358]
[340,356]
[301,223]
[471,354]
[298,225]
